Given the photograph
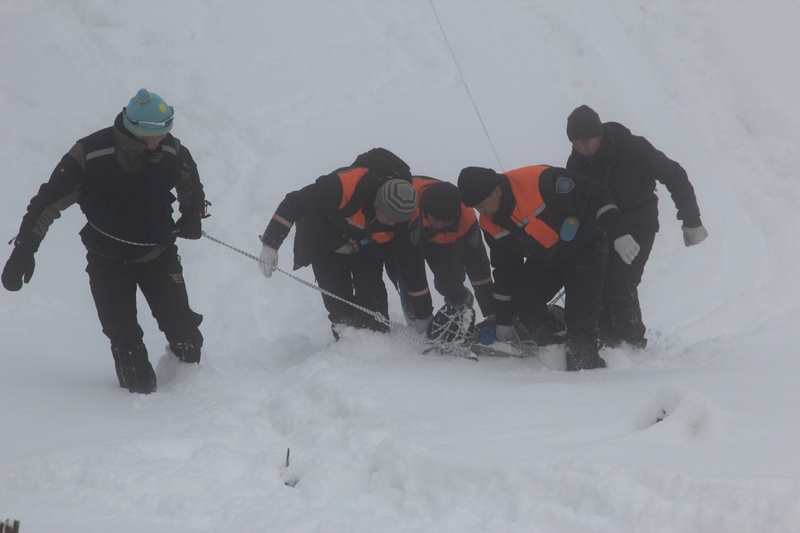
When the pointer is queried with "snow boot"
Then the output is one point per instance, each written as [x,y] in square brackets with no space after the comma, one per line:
[187,350]
[578,359]
[452,324]
[134,370]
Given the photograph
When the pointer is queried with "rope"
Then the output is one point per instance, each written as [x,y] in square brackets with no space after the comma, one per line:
[374,314]
[464,82]
[121,240]
[406,331]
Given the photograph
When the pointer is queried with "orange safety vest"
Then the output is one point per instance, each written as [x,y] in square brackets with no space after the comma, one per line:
[465,219]
[350,179]
[524,183]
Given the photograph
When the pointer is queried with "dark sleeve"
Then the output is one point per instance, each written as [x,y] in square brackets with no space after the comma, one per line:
[191,196]
[476,260]
[478,268]
[325,195]
[411,266]
[484,295]
[507,265]
[674,177]
[582,196]
[60,192]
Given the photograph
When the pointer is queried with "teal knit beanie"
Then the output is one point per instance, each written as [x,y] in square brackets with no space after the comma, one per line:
[147,115]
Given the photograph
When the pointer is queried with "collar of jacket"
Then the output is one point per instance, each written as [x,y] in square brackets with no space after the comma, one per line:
[132,153]
[507,204]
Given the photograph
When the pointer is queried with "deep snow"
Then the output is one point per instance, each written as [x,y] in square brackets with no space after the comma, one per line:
[270,95]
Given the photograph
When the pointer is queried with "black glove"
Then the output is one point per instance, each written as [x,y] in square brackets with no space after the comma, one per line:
[189,226]
[19,266]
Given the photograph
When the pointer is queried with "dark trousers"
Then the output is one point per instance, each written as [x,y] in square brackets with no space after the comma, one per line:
[114,284]
[582,277]
[621,319]
[357,278]
[448,264]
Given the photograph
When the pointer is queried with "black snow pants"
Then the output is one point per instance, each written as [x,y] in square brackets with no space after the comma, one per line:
[356,278]
[114,284]
[621,319]
[582,277]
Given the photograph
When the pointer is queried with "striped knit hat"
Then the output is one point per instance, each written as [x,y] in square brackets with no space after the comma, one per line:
[397,199]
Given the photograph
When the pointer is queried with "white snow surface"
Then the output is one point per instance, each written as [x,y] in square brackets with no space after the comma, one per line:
[269,96]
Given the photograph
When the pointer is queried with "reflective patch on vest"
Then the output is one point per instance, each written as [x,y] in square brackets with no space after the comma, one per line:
[564,185]
[568,229]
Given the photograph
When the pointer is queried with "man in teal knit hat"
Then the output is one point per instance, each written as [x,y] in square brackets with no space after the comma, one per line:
[122,177]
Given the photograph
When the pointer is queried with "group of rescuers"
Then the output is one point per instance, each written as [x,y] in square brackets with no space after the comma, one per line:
[587,228]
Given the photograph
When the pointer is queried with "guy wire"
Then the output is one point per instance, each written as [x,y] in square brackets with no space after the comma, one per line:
[464,82]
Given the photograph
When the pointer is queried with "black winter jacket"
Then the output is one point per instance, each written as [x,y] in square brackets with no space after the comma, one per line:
[124,190]
[630,166]
[583,199]
[321,227]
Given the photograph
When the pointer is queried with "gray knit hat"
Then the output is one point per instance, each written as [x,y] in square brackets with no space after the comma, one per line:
[397,199]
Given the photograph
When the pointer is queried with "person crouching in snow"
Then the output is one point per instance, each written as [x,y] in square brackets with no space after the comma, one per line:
[546,229]
[452,244]
[348,223]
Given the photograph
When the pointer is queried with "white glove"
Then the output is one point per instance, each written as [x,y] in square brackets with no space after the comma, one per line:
[420,325]
[692,236]
[627,248]
[506,333]
[346,249]
[268,261]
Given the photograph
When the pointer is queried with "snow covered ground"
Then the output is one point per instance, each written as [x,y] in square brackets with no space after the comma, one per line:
[269,95]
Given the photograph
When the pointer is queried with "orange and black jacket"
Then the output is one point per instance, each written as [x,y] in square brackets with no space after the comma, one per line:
[547,214]
[461,242]
[338,208]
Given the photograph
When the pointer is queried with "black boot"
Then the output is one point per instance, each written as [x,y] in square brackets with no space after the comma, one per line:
[134,370]
[187,349]
[583,351]
[581,357]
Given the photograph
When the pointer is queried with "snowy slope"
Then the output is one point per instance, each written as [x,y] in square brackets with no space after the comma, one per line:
[270,95]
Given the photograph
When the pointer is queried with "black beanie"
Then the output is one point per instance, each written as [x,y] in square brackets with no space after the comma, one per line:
[476,184]
[584,123]
[442,201]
